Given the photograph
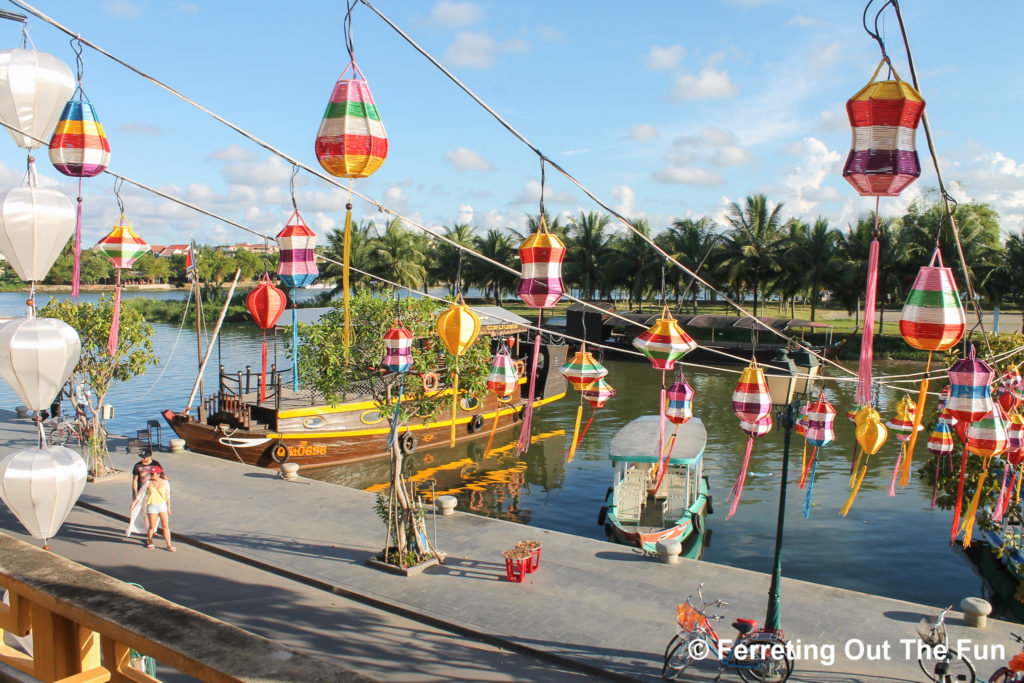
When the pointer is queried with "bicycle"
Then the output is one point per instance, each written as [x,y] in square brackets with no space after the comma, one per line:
[62,429]
[937,661]
[1013,672]
[759,655]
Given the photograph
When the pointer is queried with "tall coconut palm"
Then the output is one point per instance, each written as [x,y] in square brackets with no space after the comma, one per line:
[751,254]
[395,255]
[636,266]
[691,243]
[813,258]
[359,256]
[589,253]
[444,264]
[892,258]
[496,245]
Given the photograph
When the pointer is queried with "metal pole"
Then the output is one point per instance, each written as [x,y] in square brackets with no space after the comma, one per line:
[774,617]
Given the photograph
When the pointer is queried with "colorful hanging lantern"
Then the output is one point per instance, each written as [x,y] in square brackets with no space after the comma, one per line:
[680,401]
[40,486]
[987,437]
[941,441]
[970,396]
[597,394]
[820,433]
[871,435]
[79,147]
[35,224]
[502,381]
[751,400]
[33,89]
[665,342]
[37,355]
[295,244]
[582,370]
[904,423]
[753,429]
[398,348]
[1014,434]
[801,421]
[541,255]
[351,142]
[122,246]
[265,305]
[458,328]
[884,116]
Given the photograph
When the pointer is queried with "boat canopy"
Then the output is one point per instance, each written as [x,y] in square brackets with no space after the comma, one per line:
[638,442]
[494,320]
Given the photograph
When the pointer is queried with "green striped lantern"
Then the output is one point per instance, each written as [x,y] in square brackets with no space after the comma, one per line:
[583,370]
[932,318]
[351,142]
[122,246]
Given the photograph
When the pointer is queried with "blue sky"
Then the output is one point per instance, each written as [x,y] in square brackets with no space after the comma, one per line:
[663,109]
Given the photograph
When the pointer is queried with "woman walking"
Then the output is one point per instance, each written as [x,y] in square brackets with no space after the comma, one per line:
[154,498]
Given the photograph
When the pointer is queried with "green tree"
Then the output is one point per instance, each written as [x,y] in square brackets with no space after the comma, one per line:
[331,269]
[691,243]
[445,260]
[497,246]
[636,266]
[892,259]
[97,368]
[813,260]
[395,255]
[751,253]
[152,268]
[589,254]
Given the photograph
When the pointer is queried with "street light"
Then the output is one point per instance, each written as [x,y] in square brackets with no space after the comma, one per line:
[787,391]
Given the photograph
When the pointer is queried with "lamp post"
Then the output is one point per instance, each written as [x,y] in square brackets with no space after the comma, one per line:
[786,391]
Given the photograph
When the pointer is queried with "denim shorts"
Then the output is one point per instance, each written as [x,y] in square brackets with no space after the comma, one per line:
[156,509]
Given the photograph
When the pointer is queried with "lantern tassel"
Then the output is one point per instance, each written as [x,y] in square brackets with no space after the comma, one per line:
[398,407]
[803,460]
[808,465]
[1009,495]
[810,490]
[863,396]
[295,348]
[662,464]
[590,421]
[576,430]
[1016,495]
[922,397]
[115,321]
[855,465]
[455,402]
[737,488]
[77,273]
[896,470]
[524,435]
[668,449]
[935,486]
[346,253]
[972,511]
[263,371]
[856,487]
[997,515]
[959,499]
[494,430]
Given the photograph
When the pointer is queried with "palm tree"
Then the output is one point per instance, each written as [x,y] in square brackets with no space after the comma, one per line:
[331,271]
[690,242]
[497,246]
[395,255]
[813,257]
[636,264]
[446,258]
[589,253]
[892,258]
[751,248]
[1015,266]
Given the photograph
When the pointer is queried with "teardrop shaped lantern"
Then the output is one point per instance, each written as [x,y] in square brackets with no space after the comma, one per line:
[37,355]
[598,393]
[398,348]
[665,342]
[933,319]
[680,402]
[351,142]
[458,328]
[884,116]
[582,370]
[35,224]
[987,437]
[41,485]
[970,396]
[33,89]
[751,400]
[122,246]
[871,435]
[296,244]
[79,148]
[265,305]
[541,255]
[941,441]
[503,379]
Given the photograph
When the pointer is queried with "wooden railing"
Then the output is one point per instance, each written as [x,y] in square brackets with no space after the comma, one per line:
[85,624]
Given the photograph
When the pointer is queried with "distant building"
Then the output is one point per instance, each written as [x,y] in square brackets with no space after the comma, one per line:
[269,248]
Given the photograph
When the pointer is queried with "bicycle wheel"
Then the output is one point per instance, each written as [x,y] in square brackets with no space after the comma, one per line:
[1002,675]
[953,668]
[58,436]
[671,644]
[771,660]
[677,659]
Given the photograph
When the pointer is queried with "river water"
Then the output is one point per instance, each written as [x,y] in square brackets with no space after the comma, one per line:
[894,546]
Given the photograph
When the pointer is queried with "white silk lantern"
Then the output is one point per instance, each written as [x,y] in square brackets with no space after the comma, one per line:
[37,356]
[34,87]
[41,485]
[35,224]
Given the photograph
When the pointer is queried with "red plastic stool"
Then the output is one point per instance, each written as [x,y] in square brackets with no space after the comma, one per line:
[517,566]
[533,547]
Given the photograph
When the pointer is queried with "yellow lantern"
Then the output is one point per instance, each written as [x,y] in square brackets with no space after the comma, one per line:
[871,435]
[458,328]
[864,414]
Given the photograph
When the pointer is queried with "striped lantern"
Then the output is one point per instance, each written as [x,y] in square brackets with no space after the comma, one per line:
[665,343]
[398,348]
[820,419]
[932,318]
[541,254]
[751,400]
[598,393]
[987,437]
[351,142]
[941,441]
[583,370]
[680,402]
[79,147]
[503,378]
[970,395]
[1014,435]
[884,116]
[903,423]
[801,422]
[122,246]
[758,427]
[295,243]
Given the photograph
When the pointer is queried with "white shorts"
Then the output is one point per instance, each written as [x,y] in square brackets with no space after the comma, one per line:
[156,509]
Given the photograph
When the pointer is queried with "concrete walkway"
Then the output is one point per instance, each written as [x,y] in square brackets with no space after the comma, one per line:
[593,608]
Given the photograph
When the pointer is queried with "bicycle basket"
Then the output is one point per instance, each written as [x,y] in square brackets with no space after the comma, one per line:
[931,635]
[688,618]
[1017,662]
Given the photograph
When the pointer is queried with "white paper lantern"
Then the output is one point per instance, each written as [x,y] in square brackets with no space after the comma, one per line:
[37,356]
[34,87]
[41,485]
[35,224]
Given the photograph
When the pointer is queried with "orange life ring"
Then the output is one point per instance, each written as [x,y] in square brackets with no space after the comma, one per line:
[431,381]
[520,368]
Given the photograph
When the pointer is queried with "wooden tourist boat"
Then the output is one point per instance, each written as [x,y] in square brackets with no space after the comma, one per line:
[291,426]
[636,514]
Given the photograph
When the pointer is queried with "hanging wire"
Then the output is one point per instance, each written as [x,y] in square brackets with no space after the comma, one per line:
[876,34]
[118,184]
[291,185]
[76,46]
[347,30]
[458,278]
[542,184]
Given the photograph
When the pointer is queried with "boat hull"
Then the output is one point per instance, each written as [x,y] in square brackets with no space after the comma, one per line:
[689,530]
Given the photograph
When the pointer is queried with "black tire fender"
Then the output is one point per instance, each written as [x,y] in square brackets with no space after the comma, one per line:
[709,506]
[602,515]
[476,424]
[697,523]
[280,453]
[407,442]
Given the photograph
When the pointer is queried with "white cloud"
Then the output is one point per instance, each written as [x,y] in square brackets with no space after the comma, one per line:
[688,176]
[323,224]
[551,33]
[123,9]
[643,132]
[803,181]
[464,215]
[709,84]
[498,220]
[731,155]
[713,145]
[270,172]
[455,14]
[626,198]
[802,20]
[234,153]
[664,57]
[477,50]
[465,159]
[530,194]
[139,128]
[395,199]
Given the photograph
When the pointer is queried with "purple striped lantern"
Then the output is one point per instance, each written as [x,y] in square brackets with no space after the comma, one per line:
[987,437]
[79,147]
[541,255]
[598,393]
[296,242]
[398,348]
[503,379]
[820,419]
[941,441]
[970,382]
[883,157]
[582,370]
[665,342]
[758,427]
[680,402]
[751,400]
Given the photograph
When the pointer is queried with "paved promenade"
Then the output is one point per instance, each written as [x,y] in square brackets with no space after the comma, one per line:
[285,560]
